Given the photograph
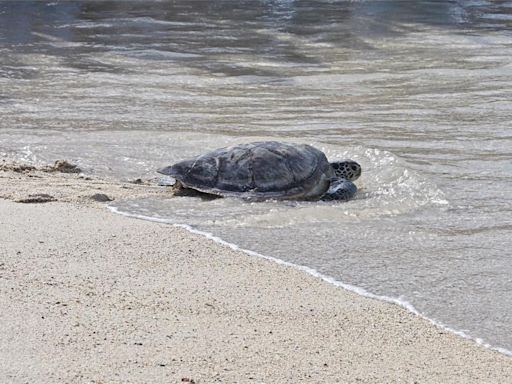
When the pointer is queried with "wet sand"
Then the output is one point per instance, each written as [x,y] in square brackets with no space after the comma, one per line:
[88,296]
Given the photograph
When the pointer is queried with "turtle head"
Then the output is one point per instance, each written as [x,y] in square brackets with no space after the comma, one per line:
[340,189]
[346,169]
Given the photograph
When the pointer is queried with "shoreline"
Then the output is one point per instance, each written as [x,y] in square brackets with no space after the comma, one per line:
[328,279]
[231,317]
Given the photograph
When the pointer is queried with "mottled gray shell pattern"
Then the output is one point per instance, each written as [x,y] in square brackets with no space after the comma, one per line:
[260,170]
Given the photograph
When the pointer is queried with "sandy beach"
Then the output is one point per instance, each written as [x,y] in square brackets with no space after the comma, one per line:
[88,296]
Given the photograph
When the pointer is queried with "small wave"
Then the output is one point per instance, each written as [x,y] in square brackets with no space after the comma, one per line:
[330,280]
[387,187]
[90,24]
[158,54]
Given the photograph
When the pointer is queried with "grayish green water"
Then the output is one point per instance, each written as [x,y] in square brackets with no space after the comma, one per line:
[418,92]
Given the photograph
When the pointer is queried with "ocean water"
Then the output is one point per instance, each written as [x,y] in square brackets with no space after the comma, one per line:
[420,93]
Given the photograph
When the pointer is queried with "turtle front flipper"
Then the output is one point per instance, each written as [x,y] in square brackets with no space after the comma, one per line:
[340,189]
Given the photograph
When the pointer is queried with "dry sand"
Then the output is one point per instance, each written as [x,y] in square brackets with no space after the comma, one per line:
[87,296]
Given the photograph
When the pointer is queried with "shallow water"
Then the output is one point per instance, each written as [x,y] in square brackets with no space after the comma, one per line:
[417,92]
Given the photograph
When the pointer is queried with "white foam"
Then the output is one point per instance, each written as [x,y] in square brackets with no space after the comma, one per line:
[360,291]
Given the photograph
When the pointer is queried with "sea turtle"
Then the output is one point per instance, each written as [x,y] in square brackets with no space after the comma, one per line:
[268,170]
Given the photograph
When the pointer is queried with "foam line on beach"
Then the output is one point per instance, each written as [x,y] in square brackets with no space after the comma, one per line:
[358,290]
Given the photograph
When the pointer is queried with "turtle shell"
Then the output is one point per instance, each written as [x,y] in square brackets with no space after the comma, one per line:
[260,170]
